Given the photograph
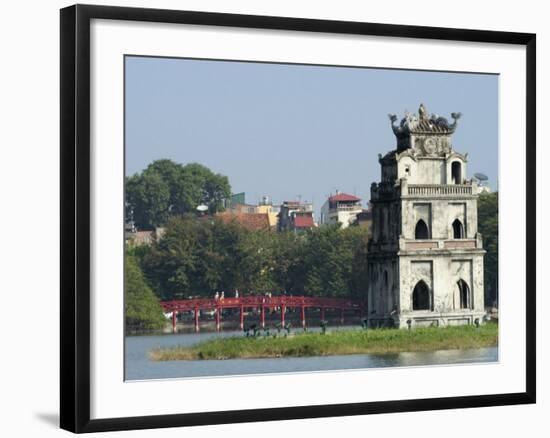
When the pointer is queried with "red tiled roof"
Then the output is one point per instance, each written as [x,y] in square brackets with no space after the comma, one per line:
[343,197]
[252,221]
[303,221]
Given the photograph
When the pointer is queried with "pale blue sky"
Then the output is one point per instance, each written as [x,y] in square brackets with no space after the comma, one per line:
[295,130]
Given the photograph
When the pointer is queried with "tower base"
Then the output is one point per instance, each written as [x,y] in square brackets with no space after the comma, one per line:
[427,319]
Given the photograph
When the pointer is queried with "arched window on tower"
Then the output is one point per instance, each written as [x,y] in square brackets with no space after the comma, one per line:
[456,172]
[463,294]
[458,229]
[421,230]
[421,297]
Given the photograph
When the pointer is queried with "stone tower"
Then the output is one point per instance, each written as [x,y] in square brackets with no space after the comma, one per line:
[425,256]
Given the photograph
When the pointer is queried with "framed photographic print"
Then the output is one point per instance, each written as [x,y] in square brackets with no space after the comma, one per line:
[290,218]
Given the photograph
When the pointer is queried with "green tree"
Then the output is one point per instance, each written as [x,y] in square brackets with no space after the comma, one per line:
[328,258]
[196,256]
[147,199]
[220,252]
[256,262]
[204,187]
[171,263]
[359,238]
[290,268]
[142,308]
[487,217]
[166,188]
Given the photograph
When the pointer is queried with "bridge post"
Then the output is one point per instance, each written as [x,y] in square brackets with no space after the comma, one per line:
[283,310]
[341,315]
[218,314]
[262,316]
[174,321]
[242,317]
[197,319]
[303,309]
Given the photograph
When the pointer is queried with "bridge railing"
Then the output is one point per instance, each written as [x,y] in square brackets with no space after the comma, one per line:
[259,301]
[263,303]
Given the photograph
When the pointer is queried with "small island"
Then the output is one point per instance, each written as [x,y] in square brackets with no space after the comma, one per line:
[306,344]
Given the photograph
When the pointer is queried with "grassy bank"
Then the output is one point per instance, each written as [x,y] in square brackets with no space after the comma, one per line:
[341,342]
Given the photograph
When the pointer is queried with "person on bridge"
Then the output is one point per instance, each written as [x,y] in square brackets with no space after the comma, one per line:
[216,296]
[236,293]
[222,296]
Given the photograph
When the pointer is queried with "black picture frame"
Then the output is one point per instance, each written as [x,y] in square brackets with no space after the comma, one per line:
[75,217]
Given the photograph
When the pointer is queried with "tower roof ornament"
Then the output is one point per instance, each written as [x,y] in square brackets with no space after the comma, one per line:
[423,124]
[422,112]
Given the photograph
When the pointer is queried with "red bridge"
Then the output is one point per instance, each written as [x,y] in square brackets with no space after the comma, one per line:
[279,303]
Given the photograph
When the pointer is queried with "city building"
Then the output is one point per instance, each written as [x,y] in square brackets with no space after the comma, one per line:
[342,208]
[236,198]
[302,220]
[425,256]
[241,208]
[265,206]
[295,216]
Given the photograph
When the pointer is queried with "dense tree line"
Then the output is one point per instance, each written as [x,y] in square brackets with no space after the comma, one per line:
[166,188]
[487,217]
[198,256]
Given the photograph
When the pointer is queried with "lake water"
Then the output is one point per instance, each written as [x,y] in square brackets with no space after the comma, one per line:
[140,367]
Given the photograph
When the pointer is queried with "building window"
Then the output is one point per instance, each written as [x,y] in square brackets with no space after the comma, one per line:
[421,297]
[421,230]
[456,172]
[464,294]
[458,229]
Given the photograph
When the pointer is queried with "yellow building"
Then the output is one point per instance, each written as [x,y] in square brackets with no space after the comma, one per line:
[271,213]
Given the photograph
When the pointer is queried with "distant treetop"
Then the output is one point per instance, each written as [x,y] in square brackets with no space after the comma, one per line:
[166,188]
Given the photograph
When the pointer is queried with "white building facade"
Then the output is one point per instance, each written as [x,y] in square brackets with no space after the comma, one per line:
[341,208]
[425,257]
